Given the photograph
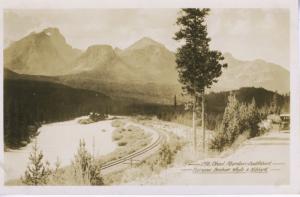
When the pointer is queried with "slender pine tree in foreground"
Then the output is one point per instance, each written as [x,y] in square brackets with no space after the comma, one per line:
[198,66]
[37,172]
[86,170]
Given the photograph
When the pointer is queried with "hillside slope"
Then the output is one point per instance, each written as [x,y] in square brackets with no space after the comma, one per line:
[28,103]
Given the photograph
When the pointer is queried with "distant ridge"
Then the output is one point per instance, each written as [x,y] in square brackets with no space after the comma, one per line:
[144,42]
[256,73]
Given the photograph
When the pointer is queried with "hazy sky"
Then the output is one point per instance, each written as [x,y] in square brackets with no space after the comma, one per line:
[246,33]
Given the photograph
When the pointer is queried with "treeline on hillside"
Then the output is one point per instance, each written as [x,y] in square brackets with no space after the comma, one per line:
[30,103]
[267,102]
[132,106]
[217,102]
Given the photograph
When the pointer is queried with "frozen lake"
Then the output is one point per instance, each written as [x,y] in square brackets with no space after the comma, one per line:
[61,140]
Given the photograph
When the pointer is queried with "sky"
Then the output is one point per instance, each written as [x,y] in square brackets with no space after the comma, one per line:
[247,34]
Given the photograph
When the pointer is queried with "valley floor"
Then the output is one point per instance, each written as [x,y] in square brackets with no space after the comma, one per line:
[60,140]
[262,160]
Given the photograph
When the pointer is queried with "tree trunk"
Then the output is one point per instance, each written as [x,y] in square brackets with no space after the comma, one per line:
[194,124]
[203,120]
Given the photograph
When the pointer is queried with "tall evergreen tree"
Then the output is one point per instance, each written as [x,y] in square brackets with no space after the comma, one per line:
[254,118]
[230,123]
[274,108]
[198,65]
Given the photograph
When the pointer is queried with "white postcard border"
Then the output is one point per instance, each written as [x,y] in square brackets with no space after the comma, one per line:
[294,186]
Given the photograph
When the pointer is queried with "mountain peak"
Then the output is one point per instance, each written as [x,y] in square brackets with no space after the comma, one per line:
[43,53]
[144,42]
[54,34]
[51,30]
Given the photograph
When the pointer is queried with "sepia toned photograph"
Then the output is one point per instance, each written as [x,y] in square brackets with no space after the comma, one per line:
[146,96]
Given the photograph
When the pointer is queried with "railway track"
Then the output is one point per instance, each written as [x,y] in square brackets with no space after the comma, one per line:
[152,146]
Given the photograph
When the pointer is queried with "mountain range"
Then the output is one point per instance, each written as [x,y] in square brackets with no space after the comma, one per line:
[146,70]
[256,73]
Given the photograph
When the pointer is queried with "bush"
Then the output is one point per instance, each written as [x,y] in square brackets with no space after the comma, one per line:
[122,143]
[95,175]
[97,117]
[264,126]
[117,123]
[219,141]
[93,117]
[86,170]
[57,176]
[166,156]
[117,135]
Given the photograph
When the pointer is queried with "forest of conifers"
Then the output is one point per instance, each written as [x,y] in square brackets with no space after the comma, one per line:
[30,103]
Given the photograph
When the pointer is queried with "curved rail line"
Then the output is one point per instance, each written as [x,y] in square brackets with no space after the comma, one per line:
[133,155]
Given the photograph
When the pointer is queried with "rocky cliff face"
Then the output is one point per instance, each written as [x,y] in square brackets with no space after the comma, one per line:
[43,53]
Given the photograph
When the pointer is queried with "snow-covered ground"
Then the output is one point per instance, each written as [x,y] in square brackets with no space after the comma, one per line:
[61,140]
